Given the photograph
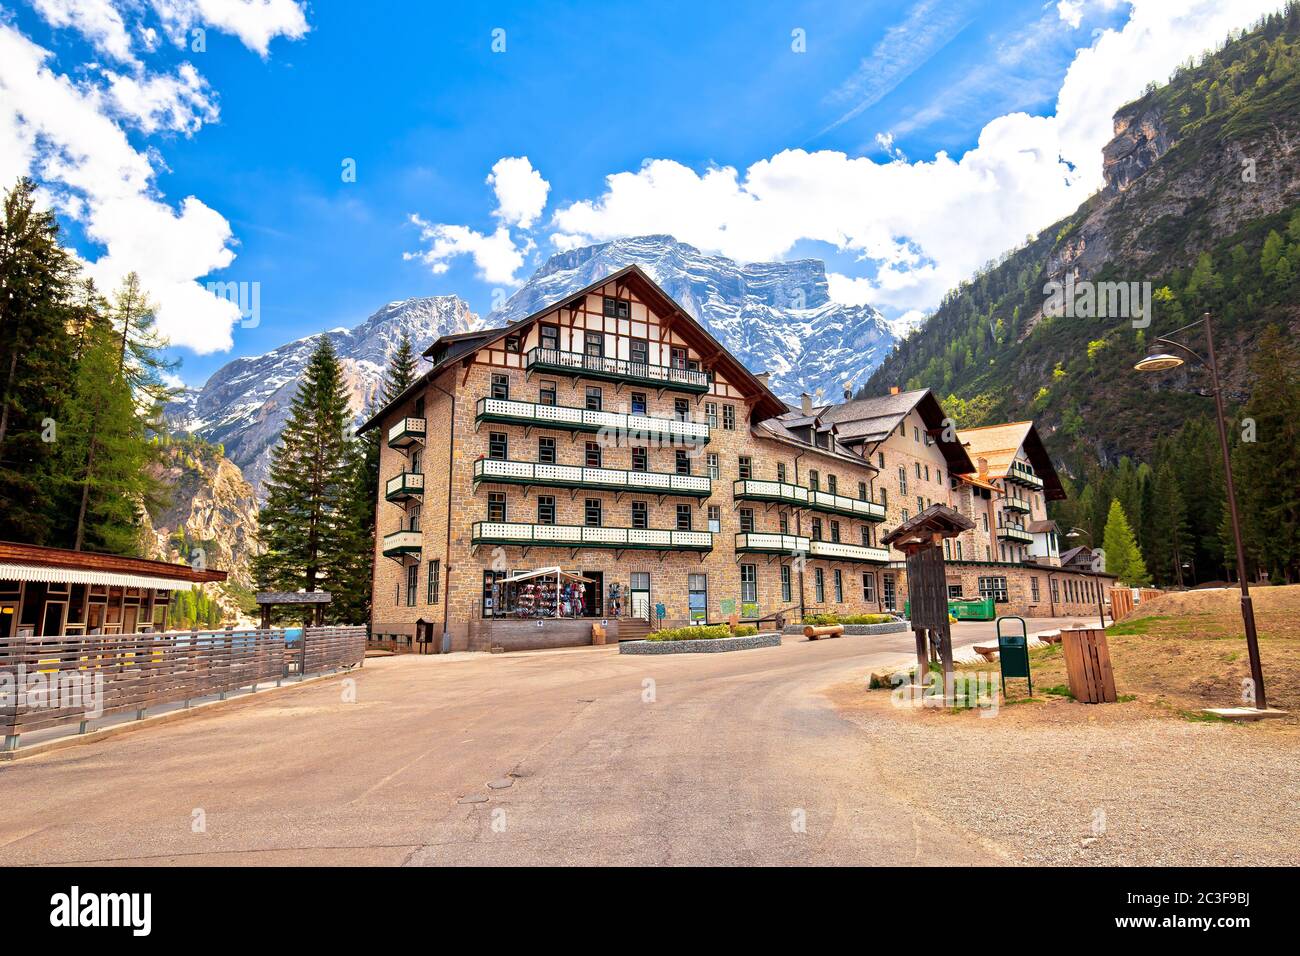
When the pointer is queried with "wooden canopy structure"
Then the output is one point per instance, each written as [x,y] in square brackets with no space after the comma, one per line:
[267,600]
[921,539]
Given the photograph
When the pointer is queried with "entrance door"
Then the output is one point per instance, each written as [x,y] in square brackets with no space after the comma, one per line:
[640,594]
[55,612]
[130,616]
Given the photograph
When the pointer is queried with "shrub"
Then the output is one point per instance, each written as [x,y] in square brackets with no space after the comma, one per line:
[702,632]
[746,630]
[820,620]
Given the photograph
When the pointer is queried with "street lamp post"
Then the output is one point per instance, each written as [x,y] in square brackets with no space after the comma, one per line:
[1159,362]
[1101,608]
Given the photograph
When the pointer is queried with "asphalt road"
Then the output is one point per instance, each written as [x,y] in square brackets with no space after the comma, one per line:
[598,758]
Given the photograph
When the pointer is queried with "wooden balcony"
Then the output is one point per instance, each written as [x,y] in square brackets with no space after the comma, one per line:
[581,365]
[762,542]
[580,536]
[1018,505]
[844,505]
[567,418]
[1023,474]
[406,433]
[1014,532]
[781,492]
[404,487]
[495,471]
[840,551]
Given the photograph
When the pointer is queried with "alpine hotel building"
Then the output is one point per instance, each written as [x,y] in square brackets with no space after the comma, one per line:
[606,460]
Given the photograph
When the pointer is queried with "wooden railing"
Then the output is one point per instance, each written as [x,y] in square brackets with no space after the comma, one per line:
[51,681]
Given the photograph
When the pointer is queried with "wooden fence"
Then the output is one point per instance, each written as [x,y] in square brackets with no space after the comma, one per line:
[49,681]
[1122,602]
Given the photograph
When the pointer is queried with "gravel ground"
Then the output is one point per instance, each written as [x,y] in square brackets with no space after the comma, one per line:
[1065,783]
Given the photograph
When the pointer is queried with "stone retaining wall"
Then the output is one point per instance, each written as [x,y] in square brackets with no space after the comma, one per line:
[890,627]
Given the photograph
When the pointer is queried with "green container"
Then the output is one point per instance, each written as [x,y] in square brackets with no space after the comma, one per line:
[964,610]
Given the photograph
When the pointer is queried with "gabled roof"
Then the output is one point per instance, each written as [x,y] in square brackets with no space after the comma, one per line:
[868,421]
[1000,444]
[633,277]
[920,528]
[780,430]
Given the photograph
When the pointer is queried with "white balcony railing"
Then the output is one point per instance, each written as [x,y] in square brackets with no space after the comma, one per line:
[603,367]
[840,551]
[764,542]
[403,542]
[573,476]
[408,484]
[408,431]
[1014,532]
[579,536]
[511,412]
[844,505]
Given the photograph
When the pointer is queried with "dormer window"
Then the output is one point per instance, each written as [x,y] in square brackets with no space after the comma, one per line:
[514,343]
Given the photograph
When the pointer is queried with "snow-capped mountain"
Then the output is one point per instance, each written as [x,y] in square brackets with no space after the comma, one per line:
[775,317]
[245,403]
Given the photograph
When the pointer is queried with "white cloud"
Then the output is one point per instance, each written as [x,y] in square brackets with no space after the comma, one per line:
[97,20]
[255,22]
[61,133]
[182,102]
[495,254]
[928,224]
[1071,12]
[520,191]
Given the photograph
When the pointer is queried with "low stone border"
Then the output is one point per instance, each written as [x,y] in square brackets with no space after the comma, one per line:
[714,645]
[889,627]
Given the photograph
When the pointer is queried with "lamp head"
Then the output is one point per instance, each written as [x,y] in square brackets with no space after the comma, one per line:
[1158,362]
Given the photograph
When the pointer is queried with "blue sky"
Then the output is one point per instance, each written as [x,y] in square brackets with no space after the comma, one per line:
[416,95]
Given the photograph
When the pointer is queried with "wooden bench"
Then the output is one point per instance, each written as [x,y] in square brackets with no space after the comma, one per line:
[987,651]
[814,633]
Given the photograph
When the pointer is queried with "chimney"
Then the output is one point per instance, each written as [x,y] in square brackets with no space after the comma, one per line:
[983,465]
[762,376]
[805,403]
[893,390]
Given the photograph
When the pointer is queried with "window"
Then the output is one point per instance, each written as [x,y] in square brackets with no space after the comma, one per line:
[862,491]
[546,509]
[746,520]
[681,410]
[593,455]
[1056,591]
[595,398]
[920,504]
[927,472]
[816,529]
[640,459]
[592,513]
[640,515]
[617,308]
[711,414]
[905,514]
[412,582]
[678,356]
[1033,589]
[641,352]
[814,480]
[994,587]
[497,446]
[684,517]
[729,417]
[546,393]
[959,549]
[984,521]
[917,466]
[413,518]
[890,589]
[819,585]
[594,344]
[902,480]
[715,518]
[419,407]
[550,338]
[638,403]
[697,596]
[514,344]
[416,462]
[711,464]
[954,592]
[780,471]
[783,520]
[835,531]
[839,586]
[749,584]
[832,484]
[746,467]
[546,451]
[434,595]
[682,462]
[785,583]
[880,459]
[916,434]
[869,586]
[884,497]
[496,506]
[500,386]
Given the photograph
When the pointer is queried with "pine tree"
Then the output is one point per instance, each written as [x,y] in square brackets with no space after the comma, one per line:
[352,601]
[1168,526]
[1123,557]
[1266,459]
[303,523]
[36,360]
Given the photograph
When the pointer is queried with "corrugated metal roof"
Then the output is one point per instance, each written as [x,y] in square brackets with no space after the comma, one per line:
[53,575]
